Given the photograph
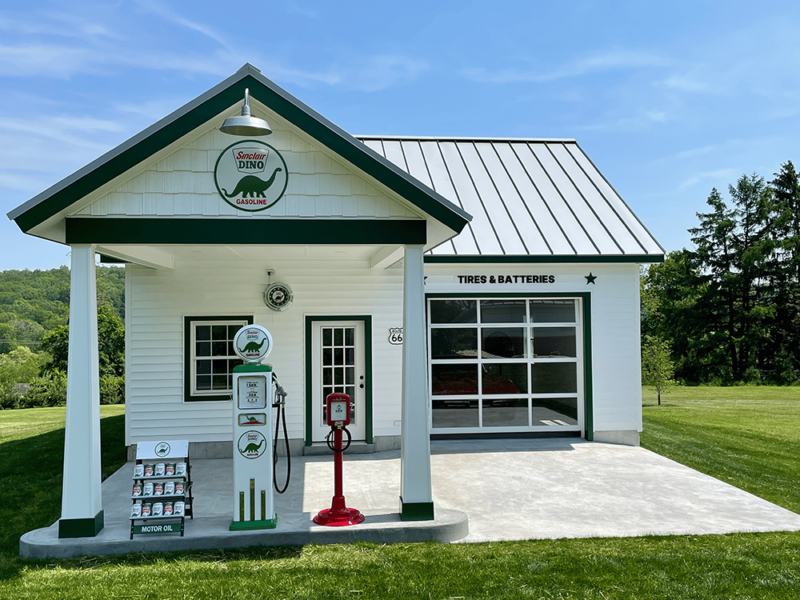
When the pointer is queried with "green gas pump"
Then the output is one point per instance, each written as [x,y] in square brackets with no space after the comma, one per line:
[253,450]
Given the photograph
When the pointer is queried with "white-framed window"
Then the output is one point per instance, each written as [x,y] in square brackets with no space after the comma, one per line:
[505,364]
[210,357]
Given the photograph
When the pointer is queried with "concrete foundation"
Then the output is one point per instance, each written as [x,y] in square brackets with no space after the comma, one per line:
[625,438]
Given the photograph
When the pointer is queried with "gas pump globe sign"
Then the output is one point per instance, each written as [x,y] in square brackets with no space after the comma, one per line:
[252,343]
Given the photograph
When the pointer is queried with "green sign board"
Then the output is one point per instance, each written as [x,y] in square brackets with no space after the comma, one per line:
[158,528]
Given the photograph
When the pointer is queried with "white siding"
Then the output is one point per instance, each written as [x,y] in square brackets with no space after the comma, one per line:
[182,184]
[616,360]
[158,301]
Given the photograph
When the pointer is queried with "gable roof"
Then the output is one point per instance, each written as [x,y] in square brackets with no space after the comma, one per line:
[230,92]
[531,199]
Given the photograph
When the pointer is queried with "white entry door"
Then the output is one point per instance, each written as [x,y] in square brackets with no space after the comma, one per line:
[338,366]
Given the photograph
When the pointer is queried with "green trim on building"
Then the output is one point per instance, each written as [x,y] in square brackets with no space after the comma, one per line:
[253,368]
[367,320]
[586,297]
[75,528]
[588,403]
[543,259]
[110,260]
[207,107]
[187,356]
[253,525]
[416,511]
[93,230]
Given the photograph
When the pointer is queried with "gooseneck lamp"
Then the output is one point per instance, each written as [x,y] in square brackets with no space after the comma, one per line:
[245,125]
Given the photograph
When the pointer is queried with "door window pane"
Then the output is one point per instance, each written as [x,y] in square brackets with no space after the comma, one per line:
[508,342]
[554,378]
[503,311]
[454,413]
[552,311]
[453,311]
[554,341]
[454,343]
[452,380]
[505,412]
[502,378]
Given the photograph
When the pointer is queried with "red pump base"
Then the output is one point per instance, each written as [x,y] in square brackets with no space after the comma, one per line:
[338,515]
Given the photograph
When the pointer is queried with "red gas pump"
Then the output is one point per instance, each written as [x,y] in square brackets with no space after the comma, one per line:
[338,514]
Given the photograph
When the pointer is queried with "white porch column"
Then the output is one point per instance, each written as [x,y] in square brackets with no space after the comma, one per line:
[416,500]
[82,502]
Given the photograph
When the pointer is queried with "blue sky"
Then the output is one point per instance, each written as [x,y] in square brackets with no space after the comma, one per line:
[668,99]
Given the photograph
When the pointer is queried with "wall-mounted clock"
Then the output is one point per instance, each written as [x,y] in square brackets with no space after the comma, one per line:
[278,296]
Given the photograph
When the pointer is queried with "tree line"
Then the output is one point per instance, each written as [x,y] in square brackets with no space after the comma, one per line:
[34,335]
[728,310]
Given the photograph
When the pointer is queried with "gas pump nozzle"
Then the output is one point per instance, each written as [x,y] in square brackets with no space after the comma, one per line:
[280,393]
[280,404]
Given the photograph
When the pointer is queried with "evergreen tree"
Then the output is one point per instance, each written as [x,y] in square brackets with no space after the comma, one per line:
[786,280]
[753,250]
[714,258]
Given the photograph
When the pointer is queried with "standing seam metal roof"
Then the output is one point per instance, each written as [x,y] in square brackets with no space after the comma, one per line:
[534,197]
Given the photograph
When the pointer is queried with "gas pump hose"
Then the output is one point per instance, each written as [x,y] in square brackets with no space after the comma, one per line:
[281,406]
[281,412]
[330,442]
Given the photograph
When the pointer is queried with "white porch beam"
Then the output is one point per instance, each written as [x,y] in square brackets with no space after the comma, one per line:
[82,501]
[416,499]
[140,255]
[385,257]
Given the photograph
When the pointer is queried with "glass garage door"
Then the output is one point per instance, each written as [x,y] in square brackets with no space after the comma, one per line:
[505,364]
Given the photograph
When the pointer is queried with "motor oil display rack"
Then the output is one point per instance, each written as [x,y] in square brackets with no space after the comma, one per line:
[169,452]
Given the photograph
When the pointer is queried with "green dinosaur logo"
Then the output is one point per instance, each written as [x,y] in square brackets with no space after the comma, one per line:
[252,347]
[251,185]
[242,168]
[252,444]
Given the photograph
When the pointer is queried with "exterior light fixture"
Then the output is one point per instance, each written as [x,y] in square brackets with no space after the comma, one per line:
[245,125]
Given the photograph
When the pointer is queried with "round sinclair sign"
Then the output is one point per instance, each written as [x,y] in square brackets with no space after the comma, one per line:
[252,444]
[252,343]
[251,175]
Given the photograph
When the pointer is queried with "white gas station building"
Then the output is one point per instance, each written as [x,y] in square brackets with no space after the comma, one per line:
[451,286]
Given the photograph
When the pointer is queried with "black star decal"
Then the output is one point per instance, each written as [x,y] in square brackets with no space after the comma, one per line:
[590,278]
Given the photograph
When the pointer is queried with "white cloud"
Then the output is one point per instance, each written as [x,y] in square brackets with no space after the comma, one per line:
[613,60]
[723,174]
[382,72]
[160,9]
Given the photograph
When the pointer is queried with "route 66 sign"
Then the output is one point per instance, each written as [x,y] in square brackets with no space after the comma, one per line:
[396,336]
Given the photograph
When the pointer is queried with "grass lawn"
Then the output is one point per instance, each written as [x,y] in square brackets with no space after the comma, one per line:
[747,436]
[746,431]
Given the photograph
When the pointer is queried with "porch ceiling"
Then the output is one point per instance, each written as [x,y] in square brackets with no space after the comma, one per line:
[166,256]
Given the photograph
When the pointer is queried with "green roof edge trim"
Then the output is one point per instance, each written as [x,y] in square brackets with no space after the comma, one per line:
[201,110]
[546,259]
[244,231]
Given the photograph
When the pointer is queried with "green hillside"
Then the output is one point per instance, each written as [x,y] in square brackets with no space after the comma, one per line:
[33,303]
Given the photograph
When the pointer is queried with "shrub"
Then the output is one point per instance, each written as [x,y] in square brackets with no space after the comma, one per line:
[9,396]
[112,389]
[45,391]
